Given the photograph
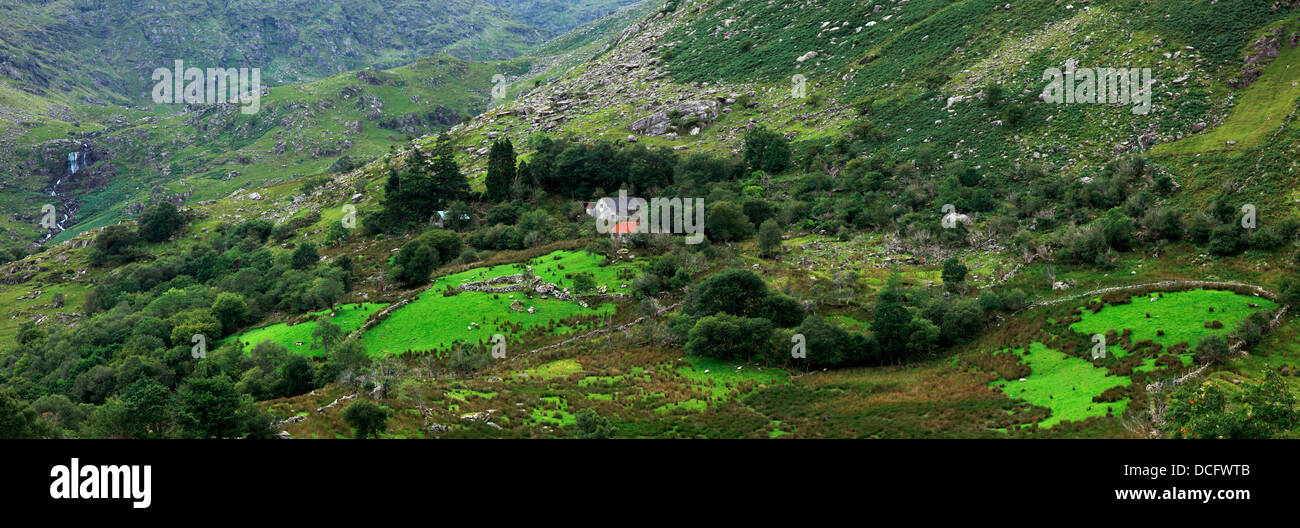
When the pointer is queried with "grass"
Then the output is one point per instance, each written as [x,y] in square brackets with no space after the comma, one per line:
[1064,384]
[721,379]
[560,266]
[1180,315]
[555,369]
[553,411]
[1259,110]
[434,321]
[348,318]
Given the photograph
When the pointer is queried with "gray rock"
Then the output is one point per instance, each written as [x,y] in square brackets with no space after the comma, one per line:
[660,123]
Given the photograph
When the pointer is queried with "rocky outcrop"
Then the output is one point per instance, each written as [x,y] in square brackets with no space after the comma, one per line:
[683,118]
[1263,52]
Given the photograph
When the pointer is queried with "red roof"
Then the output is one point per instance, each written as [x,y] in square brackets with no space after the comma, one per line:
[626,228]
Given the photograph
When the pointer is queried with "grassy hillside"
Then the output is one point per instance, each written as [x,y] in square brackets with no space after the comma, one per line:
[827,220]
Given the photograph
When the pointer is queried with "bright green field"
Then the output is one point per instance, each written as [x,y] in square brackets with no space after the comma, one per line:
[1064,384]
[1181,315]
[551,268]
[434,321]
[349,318]
[555,369]
[548,268]
[724,377]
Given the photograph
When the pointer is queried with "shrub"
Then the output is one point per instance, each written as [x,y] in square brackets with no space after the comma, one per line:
[766,150]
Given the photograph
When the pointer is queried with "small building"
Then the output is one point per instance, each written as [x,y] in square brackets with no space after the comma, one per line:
[623,229]
[613,209]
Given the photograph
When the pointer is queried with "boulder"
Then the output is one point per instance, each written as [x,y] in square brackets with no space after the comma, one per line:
[661,122]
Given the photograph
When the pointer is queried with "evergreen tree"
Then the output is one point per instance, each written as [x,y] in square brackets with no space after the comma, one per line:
[501,171]
[446,183]
[157,223]
[890,324]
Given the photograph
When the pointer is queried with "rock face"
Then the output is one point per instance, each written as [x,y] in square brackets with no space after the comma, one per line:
[695,113]
[1264,51]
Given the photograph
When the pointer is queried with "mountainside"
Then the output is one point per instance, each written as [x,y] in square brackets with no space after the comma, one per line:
[904,232]
[919,71]
[42,44]
[125,156]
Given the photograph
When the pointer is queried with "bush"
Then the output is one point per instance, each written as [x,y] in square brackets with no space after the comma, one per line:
[993,94]
[864,105]
[159,222]
[1212,348]
[304,256]
[584,282]
[729,337]
[784,311]
[592,426]
[990,301]
[766,150]
[954,273]
[726,221]
[366,419]
[734,291]
[1226,239]
[769,238]
[414,263]
[1014,115]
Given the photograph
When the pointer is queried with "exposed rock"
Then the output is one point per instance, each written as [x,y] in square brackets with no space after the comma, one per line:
[662,122]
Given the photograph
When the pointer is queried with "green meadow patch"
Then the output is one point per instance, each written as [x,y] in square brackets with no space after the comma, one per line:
[554,410]
[348,318]
[560,267]
[1180,316]
[434,322]
[721,379]
[1064,384]
[555,369]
